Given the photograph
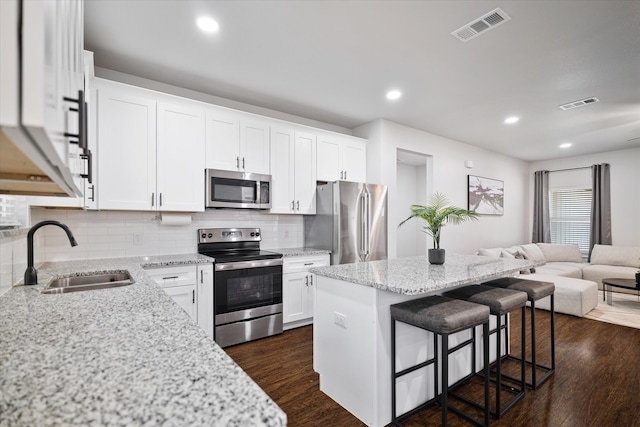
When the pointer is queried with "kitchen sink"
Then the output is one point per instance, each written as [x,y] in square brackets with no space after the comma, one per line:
[88,282]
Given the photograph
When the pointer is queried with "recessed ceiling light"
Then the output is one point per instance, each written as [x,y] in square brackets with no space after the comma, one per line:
[565,145]
[208,25]
[511,120]
[393,95]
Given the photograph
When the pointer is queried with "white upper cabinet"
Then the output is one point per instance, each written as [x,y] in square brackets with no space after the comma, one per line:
[150,154]
[293,167]
[222,140]
[180,160]
[341,158]
[236,142]
[126,149]
[255,146]
[41,76]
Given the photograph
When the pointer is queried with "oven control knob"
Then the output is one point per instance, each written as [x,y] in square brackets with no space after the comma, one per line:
[210,235]
[253,234]
[203,235]
[257,234]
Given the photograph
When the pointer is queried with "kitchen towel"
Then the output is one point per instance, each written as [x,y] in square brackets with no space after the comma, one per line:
[175,218]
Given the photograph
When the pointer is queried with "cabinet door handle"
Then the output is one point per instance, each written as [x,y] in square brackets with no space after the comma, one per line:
[89,175]
[169,277]
[345,174]
[153,198]
[93,193]
[193,296]
[306,280]
[243,163]
[293,205]
[298,205]
[311,280]
[80,138]
[237,162]
[201,276]
[308,263]
[341,174]
[160,199]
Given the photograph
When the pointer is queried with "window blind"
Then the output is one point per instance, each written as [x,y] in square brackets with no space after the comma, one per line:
[570,212]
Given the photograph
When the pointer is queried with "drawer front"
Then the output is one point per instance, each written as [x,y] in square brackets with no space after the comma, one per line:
[304,263]
[183,275]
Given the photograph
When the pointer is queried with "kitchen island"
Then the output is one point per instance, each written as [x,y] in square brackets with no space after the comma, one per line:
[118,357]
[352,330]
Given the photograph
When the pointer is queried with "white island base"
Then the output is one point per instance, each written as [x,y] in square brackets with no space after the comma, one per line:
[351,345]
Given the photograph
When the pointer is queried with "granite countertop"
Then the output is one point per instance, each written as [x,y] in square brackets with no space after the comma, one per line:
[118,357]
[414,275]
[288,252]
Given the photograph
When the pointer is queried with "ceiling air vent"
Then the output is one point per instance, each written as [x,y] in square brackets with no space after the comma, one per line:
[487,22]
[581,103]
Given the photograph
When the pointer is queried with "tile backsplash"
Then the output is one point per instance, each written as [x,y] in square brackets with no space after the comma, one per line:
[110,234]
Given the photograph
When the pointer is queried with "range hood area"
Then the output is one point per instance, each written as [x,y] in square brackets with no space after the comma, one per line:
[20,175]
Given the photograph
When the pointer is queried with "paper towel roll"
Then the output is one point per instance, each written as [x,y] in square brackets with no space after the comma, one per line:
[175,218]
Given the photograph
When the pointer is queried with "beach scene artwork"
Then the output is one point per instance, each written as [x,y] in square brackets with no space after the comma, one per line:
[486,196]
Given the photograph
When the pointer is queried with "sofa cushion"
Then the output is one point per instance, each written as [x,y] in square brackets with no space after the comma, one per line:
[576,297]
[560,252]
[598,272]
[533,252]
[564,269]
[626,256]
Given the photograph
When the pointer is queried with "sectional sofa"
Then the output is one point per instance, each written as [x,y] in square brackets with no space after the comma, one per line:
[577,282]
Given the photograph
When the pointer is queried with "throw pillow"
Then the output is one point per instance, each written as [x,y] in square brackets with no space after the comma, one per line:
[533,252]
[495,252]
[560,252]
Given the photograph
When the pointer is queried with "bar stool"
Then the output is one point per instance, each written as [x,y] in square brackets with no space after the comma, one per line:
[500,302]
[535,290]
[442,316]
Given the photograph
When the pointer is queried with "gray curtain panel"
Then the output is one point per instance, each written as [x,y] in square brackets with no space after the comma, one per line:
[541,220]
[600,206]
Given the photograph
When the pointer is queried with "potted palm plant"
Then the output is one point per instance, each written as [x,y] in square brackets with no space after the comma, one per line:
[436,215]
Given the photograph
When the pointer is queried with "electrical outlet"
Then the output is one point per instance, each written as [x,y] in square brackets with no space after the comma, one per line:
[341,319]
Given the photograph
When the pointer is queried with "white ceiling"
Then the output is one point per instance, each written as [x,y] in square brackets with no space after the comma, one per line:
[333,61]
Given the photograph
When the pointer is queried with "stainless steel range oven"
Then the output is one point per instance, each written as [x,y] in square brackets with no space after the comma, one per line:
[247,285]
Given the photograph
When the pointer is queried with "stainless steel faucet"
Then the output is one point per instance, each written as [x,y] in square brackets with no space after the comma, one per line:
[31,274]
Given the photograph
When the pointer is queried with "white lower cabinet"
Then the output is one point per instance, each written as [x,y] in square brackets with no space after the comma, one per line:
[191,287]
[204,298]
[298,288]
[185,297]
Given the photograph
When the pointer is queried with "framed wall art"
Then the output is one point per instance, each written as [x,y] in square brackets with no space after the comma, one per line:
[485,195]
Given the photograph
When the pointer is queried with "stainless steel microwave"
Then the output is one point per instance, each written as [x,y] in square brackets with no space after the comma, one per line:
[229,189]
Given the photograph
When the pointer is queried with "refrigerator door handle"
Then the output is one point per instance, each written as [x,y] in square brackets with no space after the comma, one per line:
[367,221]
[363,227]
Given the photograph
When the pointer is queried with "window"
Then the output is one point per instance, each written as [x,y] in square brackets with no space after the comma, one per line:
[570,211]
[13,212]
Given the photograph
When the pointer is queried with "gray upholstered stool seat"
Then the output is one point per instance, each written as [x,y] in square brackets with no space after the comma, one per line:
[500,302]
[439,314]
[535,290]
[442,316]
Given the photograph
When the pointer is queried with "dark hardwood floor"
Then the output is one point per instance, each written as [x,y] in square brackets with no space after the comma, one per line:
[597,379]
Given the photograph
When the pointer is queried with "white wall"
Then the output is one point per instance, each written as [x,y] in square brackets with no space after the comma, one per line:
[411,240]
[625,188]
[448,175]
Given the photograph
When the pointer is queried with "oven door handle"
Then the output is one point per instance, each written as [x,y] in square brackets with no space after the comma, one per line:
[241,265]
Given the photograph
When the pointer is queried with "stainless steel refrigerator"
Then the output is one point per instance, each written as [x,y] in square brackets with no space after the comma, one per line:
[350,221]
